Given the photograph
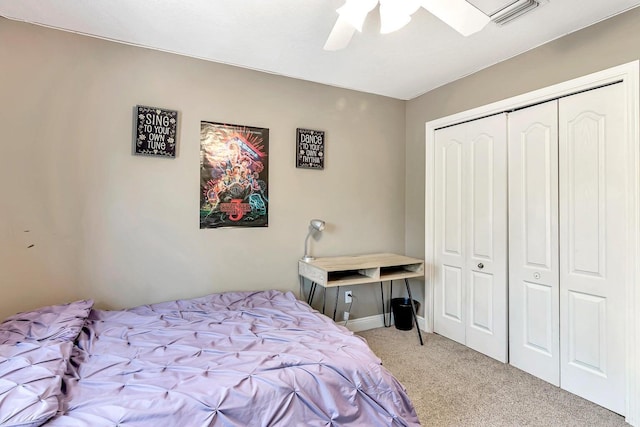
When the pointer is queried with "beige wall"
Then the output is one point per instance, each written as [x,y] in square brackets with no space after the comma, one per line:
[612,42]
[124,229]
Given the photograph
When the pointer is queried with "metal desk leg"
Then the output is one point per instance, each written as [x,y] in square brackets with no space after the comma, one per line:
[324,298]
[301,290]
[312,291]
[335,307]
[390,298]
[413,310]
[386,309]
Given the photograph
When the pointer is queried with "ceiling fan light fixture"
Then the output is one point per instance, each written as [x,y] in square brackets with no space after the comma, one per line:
[407,7]
[395,14]
[355,12]
[391,20]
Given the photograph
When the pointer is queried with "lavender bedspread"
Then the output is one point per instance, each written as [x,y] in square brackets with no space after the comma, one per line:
[232,359]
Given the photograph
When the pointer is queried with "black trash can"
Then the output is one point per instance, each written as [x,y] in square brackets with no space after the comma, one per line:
[402,315]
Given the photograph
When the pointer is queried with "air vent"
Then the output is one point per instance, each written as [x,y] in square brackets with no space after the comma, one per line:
[515,10]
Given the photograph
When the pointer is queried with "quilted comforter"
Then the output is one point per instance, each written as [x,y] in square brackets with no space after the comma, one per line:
[231,359]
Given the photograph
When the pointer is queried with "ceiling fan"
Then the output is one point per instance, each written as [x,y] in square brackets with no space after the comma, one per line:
[395,14]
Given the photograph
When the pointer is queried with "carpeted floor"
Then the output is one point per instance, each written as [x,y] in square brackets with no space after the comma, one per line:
[452,385]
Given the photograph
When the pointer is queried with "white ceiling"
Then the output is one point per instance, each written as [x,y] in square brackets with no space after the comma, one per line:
[286,37]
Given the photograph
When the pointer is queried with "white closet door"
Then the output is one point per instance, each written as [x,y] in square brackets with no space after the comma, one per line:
[471,235]
[486,236]
[534,295]
[450,251]
[594,241]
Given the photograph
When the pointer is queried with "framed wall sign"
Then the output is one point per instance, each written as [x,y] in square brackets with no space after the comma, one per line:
[234,176]
[309,149]
[156,131]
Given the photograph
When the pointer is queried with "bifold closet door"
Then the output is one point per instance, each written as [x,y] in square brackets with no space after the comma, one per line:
[595,173]
[568,243]
[470,287]
[534,294]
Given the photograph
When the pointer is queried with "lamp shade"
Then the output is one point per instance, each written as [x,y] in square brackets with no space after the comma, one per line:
[317,224]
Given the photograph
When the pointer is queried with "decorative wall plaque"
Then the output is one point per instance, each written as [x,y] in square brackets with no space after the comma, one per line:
[155,132]
[310,149]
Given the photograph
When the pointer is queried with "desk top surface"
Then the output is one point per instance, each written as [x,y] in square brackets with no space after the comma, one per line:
[355,262]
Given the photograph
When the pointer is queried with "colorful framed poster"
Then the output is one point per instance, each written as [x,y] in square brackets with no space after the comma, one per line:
[156,130]
[309,149]
[234,176]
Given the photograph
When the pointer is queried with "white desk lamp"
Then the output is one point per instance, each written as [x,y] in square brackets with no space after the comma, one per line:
[315,226]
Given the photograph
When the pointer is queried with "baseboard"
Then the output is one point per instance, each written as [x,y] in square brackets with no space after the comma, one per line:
[372,322]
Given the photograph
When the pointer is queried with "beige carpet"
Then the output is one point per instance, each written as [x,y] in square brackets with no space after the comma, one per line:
[452,385]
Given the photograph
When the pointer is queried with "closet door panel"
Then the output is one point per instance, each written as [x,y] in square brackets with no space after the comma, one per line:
[482,197]
[594,241]
[451,297]
[486,237]
[534,296]
[480,243]
[470,235]
[481,306]
[449,289]
[588,340]
[541,337]
[586,191]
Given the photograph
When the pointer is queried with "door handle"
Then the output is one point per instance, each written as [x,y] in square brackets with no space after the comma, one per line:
[480,266]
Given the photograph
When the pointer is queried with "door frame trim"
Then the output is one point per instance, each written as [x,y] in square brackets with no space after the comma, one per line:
[628,75]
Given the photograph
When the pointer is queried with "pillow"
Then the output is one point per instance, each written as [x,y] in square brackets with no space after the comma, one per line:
[55,322]
[30,382]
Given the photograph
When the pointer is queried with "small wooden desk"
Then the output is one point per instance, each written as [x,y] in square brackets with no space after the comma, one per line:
[333,272]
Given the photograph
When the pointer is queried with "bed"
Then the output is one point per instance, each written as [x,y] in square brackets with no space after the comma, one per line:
[230,359]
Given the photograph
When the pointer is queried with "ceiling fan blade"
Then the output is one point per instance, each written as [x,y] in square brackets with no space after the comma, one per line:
[340,35]
[458,14]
